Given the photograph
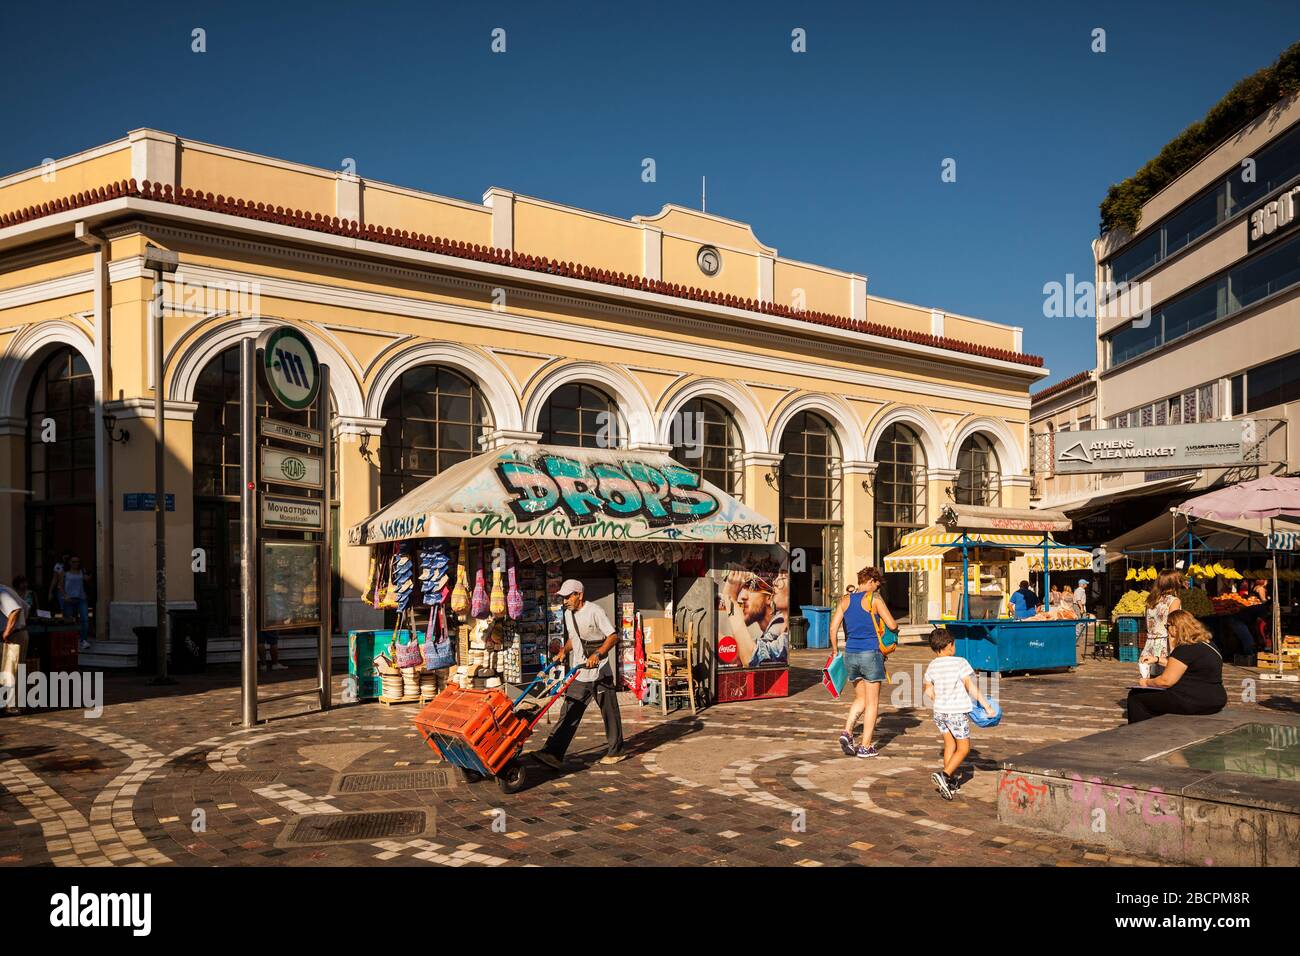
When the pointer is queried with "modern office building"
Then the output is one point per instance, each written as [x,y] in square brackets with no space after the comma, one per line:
[1216,258]
[449,327]
[1219,250]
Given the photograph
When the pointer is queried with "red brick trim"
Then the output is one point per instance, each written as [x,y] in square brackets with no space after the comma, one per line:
[447,247]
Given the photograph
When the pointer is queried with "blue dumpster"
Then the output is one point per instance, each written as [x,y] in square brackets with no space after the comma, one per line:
[819,625]
[1008,645]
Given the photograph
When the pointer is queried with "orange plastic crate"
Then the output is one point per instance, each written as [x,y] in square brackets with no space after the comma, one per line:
[484,720]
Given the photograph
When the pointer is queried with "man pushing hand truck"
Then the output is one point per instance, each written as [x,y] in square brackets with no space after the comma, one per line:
[589,637]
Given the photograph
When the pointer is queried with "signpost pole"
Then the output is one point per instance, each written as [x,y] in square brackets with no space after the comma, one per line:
[323,661]
[248,527]
[160,261]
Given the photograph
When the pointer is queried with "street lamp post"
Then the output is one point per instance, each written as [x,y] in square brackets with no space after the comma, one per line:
[160,261]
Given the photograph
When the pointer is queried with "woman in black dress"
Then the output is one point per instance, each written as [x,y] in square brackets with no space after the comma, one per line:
[1192,681]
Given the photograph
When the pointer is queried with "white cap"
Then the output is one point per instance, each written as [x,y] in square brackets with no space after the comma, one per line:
[570,586]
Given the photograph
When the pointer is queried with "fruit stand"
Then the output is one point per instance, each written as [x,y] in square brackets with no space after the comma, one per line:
[1238,624]
[976,546]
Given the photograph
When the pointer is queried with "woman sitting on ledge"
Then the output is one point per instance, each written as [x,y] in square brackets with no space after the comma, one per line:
[1192,681]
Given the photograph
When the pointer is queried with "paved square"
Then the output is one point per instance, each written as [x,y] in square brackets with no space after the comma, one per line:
[168,778]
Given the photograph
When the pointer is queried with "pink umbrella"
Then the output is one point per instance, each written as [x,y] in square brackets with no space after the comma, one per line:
[1262,498]
[1268,497]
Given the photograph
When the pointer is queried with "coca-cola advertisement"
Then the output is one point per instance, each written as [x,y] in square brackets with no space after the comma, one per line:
[753,607]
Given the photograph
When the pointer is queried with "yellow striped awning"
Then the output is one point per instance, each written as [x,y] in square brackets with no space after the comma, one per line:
[915,557]
[939,535]
[925,550]
[1059,559]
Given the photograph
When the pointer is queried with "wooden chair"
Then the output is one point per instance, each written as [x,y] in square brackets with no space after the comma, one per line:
[671,663]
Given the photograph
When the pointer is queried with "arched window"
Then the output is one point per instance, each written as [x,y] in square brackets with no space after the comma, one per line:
[810,483]
[216,427]
[60,466]
[707,440]
[899,487]
[435,418]
[810,508]
[979,478]
[217,589]
[581,416]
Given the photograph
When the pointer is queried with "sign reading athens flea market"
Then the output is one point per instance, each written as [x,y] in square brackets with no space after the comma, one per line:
[1157,447]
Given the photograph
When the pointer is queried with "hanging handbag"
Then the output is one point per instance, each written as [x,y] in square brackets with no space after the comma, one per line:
[371,593]
[478,606]
[408,654]
[439,652]
[388,598]
[514,598]
[497,602]
[460,593]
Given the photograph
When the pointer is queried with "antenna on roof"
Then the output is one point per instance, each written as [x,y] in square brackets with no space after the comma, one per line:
[703,194]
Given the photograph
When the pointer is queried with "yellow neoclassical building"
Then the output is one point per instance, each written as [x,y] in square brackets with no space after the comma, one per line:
[450,327]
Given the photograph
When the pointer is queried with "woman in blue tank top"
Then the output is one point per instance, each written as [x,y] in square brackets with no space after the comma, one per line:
[858,612]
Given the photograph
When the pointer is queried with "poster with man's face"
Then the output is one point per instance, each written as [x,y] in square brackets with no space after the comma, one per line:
[753,607]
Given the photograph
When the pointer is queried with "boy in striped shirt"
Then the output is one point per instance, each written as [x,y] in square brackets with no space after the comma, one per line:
[950,683]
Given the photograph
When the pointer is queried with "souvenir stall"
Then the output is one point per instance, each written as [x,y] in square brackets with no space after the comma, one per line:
[976,550]
[471,561]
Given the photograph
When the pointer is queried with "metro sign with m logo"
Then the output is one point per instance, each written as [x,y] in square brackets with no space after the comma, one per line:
[292,370]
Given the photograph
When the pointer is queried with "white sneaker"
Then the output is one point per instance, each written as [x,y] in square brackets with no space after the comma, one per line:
[85,645]
[941,783]
[279,667]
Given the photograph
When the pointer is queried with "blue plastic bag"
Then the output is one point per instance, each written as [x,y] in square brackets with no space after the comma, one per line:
[983,719]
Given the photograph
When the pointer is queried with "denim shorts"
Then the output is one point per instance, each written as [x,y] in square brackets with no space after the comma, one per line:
[865,665]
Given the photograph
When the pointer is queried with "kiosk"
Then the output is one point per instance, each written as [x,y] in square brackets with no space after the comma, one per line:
[975,548]
[647,535]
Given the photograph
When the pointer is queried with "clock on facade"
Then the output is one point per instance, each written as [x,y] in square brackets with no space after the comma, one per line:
[710,260]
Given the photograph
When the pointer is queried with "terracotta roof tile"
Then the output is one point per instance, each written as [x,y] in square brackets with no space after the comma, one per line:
[436,244]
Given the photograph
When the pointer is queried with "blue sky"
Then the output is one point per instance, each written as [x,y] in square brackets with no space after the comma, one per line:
[834,155]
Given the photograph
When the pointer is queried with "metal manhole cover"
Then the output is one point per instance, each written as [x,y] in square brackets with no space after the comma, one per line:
[316,829]
[246,778]
[387,780]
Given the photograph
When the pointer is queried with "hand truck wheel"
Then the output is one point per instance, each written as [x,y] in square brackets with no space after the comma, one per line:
[512,777]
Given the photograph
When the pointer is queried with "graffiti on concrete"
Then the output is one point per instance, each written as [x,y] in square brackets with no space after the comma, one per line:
[1093,794]
[1021,794]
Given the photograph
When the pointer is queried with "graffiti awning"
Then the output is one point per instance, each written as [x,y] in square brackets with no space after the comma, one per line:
[554,493]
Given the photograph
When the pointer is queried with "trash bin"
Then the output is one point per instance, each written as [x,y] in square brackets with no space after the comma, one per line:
[189,643]
[146,649]
[819,624]
[188,653]
[798,632]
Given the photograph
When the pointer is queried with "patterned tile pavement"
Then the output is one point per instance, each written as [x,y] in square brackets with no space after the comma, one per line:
[166,777]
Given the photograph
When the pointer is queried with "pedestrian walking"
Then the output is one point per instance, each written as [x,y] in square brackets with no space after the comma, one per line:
[53,596]
[864,616]
[590,636]
[950,684]
[13,612]
[73,598]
